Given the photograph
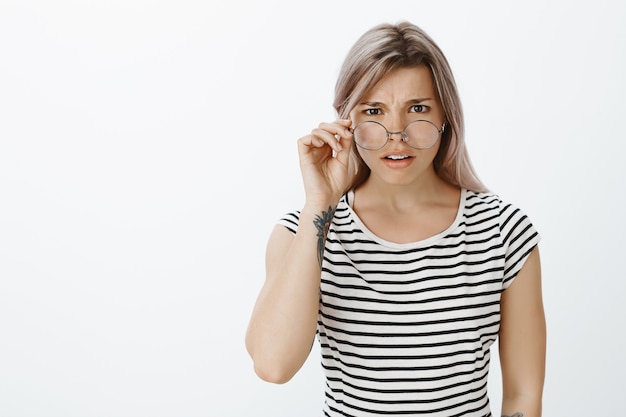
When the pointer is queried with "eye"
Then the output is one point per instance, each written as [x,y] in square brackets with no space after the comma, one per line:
[419,108]
[372,112]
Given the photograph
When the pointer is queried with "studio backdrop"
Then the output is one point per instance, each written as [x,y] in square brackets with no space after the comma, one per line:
[147,149]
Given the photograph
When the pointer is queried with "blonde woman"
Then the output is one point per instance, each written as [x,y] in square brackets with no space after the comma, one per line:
[401,261]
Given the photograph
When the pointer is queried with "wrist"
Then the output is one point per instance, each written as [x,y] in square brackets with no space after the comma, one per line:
[317,207]
[319,221]
[321,203]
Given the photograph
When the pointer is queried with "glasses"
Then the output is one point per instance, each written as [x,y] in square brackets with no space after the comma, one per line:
[419,134]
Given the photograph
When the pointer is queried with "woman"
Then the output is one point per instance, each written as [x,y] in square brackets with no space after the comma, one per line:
[400,261]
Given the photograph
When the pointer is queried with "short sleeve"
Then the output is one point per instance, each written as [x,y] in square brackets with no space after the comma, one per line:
[519,238]
[290,221]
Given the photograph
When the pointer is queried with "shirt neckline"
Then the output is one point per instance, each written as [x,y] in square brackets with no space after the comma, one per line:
[424,242]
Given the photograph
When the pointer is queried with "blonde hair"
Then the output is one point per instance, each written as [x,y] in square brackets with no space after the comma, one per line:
[387,47]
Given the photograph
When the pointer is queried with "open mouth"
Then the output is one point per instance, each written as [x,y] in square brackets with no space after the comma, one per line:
[397,157]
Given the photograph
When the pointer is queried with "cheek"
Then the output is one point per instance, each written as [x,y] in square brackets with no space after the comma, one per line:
[435,149]
[364,155]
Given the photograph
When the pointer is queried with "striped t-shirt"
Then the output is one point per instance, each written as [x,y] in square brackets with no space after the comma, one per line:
[405,329]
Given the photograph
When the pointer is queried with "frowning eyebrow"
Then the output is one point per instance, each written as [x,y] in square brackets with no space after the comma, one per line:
[409,102]
[418,100]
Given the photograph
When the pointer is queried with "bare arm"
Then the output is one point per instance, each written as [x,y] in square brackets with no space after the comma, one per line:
[522,343]
[283,323]
[284,320]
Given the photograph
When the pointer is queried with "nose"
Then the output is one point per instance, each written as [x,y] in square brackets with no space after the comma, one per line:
[400,137]
[396,129]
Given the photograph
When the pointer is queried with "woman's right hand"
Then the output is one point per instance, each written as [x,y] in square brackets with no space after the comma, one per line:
[325,162]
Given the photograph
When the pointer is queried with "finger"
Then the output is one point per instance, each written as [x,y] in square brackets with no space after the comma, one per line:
[329,137]
[339,127]
[314,147]
[311,141]
[345,122]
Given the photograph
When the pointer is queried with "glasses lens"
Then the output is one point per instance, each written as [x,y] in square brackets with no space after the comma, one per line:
[370,135]
[421,134]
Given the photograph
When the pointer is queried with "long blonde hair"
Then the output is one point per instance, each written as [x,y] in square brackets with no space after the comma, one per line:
[385,48]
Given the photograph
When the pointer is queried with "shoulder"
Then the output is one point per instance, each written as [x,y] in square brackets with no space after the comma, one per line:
[476,202]
[511,219]
[518,235]
[482,208]
[481,201]
[290,220]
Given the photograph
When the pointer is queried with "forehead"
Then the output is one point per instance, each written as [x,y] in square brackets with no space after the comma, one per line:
[410,82]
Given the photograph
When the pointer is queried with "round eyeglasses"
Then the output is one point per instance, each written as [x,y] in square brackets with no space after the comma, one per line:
[419,134]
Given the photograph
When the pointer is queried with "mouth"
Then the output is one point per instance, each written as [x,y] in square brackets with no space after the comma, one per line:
[397,157]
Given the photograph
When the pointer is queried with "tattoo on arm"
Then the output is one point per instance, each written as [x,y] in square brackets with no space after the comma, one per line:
[518,414]
[322,224]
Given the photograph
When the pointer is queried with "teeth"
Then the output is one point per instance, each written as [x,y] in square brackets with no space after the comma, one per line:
[396,157]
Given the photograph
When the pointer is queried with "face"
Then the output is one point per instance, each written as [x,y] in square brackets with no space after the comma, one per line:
[402,96]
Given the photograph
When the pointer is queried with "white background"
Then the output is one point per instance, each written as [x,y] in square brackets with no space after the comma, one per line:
[148,147]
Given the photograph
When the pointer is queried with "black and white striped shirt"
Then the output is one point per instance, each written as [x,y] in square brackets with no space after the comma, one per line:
[405,329]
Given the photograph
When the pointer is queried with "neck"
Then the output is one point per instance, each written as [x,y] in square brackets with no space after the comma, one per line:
[397,197]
